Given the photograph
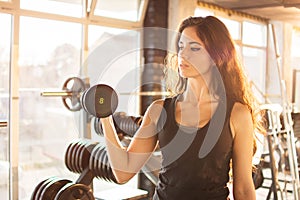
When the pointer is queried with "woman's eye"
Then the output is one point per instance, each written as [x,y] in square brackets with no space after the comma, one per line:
[195,48]
[180,47]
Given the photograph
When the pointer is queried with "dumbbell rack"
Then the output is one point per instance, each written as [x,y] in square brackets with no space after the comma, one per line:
[89,159]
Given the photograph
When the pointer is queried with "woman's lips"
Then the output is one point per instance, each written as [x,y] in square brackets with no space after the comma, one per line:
[183,66]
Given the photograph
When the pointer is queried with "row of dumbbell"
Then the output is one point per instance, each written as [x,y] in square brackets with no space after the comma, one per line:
[55,188]
[85,154]
[89,159]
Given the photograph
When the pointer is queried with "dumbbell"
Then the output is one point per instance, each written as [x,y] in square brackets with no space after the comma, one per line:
[78,154]
[124,124]
[90,160]
[75,191]
[77,160]
[100,165]
[99,100]
[3,124]
[55,188]
[48,188]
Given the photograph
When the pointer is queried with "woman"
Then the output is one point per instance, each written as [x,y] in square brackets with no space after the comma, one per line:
[206,127]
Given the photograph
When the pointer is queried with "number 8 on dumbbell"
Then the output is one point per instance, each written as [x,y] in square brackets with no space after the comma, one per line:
[101,101]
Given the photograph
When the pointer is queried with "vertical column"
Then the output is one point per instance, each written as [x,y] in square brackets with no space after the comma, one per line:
[156,18]
[14,112]
[155,45]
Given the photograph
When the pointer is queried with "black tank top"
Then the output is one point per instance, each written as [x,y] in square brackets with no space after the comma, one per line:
[195,161]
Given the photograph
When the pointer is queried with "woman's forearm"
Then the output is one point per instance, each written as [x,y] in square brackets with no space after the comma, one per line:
[126,162]
[117,153]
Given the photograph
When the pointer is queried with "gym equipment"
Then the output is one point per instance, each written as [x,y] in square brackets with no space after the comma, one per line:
[126,125]
[90,160]
[273,127]
[71,91]
[75,191]
[99,164]
[78,154]
[99,100]
[3,124]
[77,159]
[288,125]
[61,189]
[48,188]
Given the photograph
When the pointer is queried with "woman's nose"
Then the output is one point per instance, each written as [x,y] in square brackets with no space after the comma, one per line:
[183,53]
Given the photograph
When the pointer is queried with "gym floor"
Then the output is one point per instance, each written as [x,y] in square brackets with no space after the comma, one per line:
[261,193]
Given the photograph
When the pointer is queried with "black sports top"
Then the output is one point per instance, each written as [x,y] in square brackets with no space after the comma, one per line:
[195,161]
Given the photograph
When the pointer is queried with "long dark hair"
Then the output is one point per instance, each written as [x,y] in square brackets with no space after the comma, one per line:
[221,48]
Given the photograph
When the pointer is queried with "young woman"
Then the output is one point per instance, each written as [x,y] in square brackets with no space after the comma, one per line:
[206,128]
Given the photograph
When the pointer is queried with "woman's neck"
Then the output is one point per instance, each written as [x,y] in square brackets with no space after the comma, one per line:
[197,92]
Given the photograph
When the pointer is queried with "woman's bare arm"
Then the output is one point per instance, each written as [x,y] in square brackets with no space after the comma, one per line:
[242,129]
[126,162]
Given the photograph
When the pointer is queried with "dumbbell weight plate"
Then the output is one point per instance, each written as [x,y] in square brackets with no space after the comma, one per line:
[72,191]
[108,171]
[77,155]
[51,189]
[97,165]
[97,126]
[71,156]
[67,157]
[100,100]
[105,166]
[100,163]
[93,159]
[85,155]
[76,86]
[36,191]
[40,187]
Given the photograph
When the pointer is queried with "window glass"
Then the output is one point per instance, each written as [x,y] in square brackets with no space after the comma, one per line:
[49,54]
[126,10]
[117,52]
[254,34]
[295,49]
[296,95]
[5,35]
[234,27]
[202,12]
[98,34]
[69,8]
[254,63]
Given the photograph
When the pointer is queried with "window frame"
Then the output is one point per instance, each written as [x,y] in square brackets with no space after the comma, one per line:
[13,8]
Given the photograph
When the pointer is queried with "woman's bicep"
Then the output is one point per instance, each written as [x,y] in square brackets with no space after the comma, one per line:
[145,139]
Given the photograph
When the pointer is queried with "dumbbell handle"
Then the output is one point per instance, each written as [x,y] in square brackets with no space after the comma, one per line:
[3,124]
[63,93]
[86,177]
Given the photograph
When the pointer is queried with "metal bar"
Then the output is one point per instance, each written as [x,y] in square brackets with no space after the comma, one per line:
[146,93]
[288,124]
[3,124]
[59,94]
[14,101]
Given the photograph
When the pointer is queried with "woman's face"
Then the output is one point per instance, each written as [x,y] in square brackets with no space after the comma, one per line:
[193,59]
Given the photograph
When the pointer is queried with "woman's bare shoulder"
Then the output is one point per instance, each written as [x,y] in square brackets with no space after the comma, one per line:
[240,118]
[154,110]
[240,110]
